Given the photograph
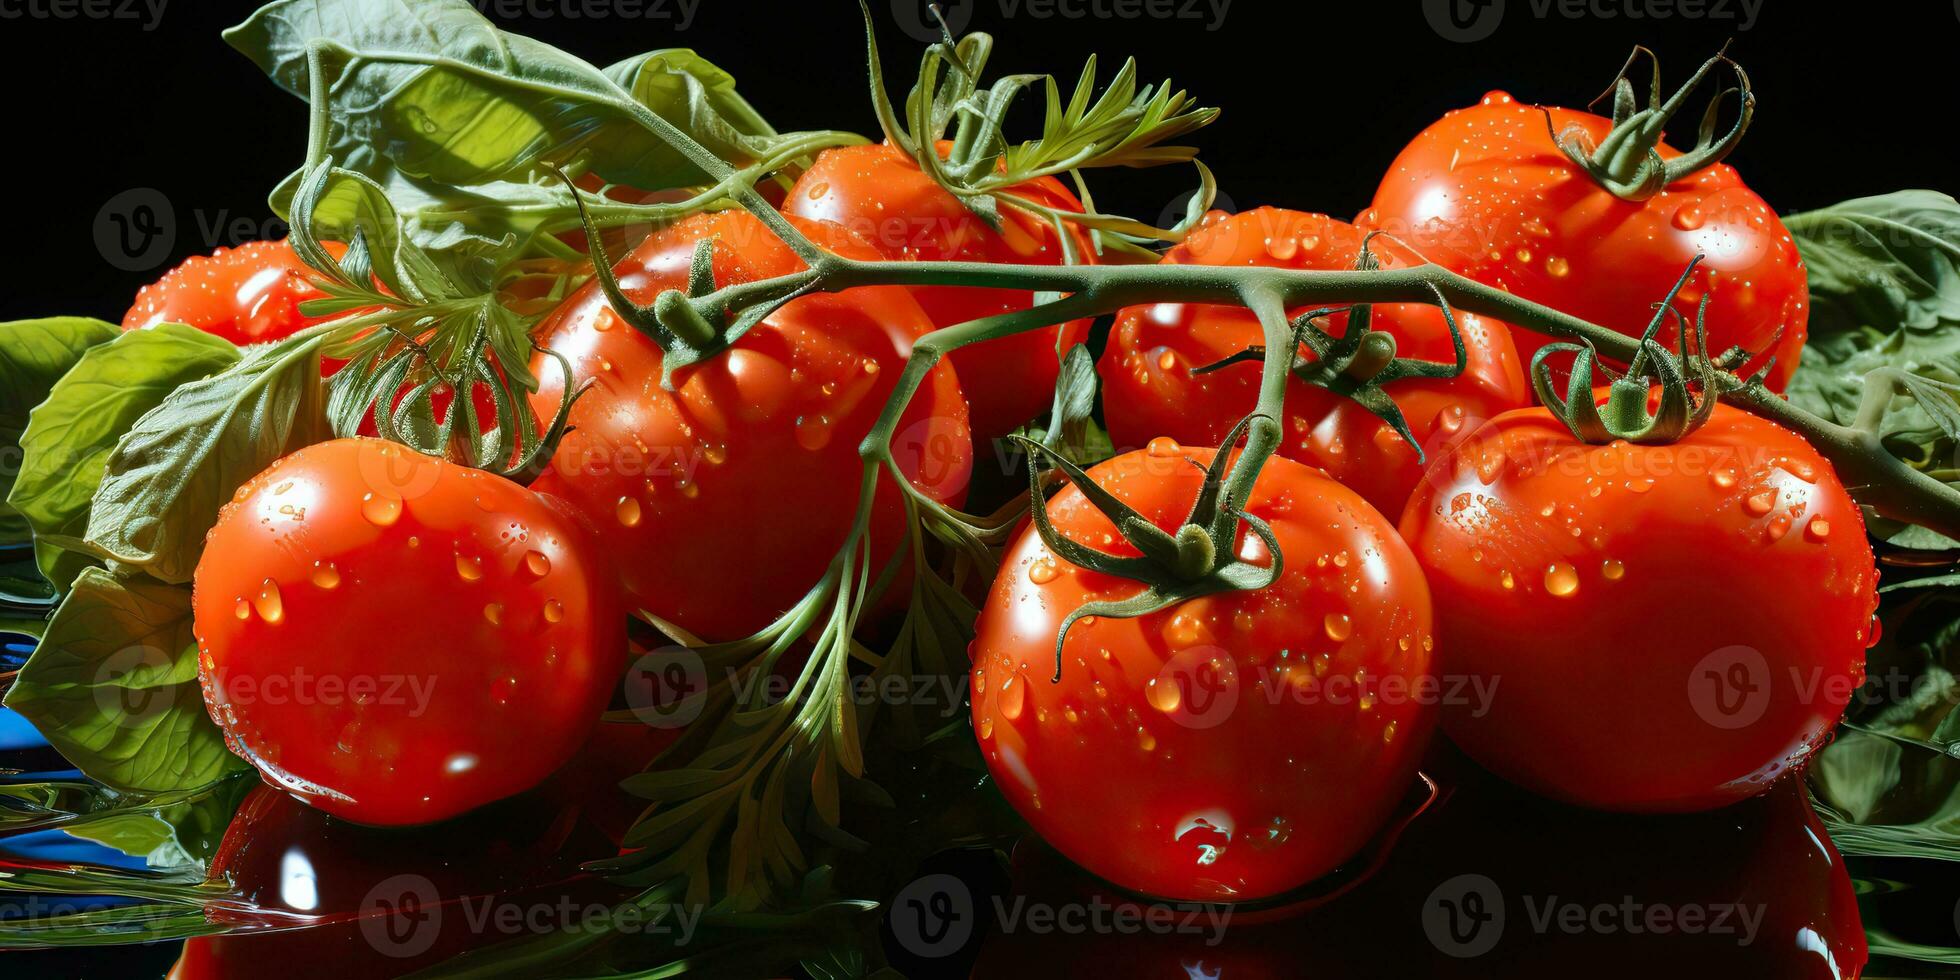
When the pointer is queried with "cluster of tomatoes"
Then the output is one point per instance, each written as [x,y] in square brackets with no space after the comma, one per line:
[1634,627]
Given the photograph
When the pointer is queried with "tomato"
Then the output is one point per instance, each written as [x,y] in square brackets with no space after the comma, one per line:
[248,295]
[1232,746]
[1486,192]
[396,639]
[1659,627]
[880,193]
[748,470]
[1150,390]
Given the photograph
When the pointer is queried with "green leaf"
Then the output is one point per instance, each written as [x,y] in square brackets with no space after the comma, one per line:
[34,354]
[436,91]
[166,480]
[113,686]
[175,835]
[70,435]
[1891,261]
[1885,293]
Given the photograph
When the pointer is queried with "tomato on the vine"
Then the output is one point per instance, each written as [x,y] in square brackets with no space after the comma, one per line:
[1486,192]
[396,639]
[1231,746]
[881,194]
[725,499]
[250,294]
[1659,627]
[1151,388]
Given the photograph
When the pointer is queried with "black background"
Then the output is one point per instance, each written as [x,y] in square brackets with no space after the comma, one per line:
[1318,97]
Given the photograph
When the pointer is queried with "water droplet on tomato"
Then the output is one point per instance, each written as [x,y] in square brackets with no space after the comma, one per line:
[1163,695]
[813,432]
[1724,478]
[325,575]
[1388,733]
[1557,267]
[1561,579]
[381,511]
[1283,249]
[538,563]
[1338,626]
[1505,579]
[554,611]
[270,605]
[1042,572]
[1759,504]
[1145,740]
[1163,447]
[1818,529]
[1612,570]
[628,511]
[1013,697]
[494,612]
[243,610]
[1689,218]
[469,569]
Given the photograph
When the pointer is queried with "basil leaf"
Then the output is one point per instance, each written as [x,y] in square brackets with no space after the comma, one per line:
[34,354]
[70,435]
[438,92]
[1885,293]
[113,687]
[165,481]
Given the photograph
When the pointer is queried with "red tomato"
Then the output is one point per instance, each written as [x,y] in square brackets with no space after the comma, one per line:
[882,195]
[1486,192]
[1230,747]
[1658,627]
[248,295]
[396,639]
[749,468]
[1150,390]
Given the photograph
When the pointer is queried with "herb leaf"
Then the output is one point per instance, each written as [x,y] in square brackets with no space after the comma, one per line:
[70,435]
[167,478]
[113,686]
[34,354]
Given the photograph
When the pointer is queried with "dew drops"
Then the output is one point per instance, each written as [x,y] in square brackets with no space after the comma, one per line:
[1388,733]
[1166,361]
[986,727]
[1818,529]
[813,431]
[1561,579]
[628,511]
[554,611]
[1163,447]
[1557,267]
[1612,570]
[1013,697]
[1145,740]
[1724,478]
[270,605]
[1042,571]
[1506,579]
[381,511]
[326,575]
[494,613]
[468,568]
[1338,626]
[243,610]
[1163,695]
[1759,504]
[537,563]
[1283,249]
[1641,485]
[1689,218]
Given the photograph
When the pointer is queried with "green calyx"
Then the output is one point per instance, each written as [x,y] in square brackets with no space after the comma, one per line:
[690,326]
[1626,415]
[1628,162]
[1198,559]
[1360,363]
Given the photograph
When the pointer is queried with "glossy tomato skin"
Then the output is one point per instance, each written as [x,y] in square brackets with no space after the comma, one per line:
[249,294]
[881,194]
[749,468]
[1149,388]
[1231,747]
[1661,628]
[397,640]
[1486,192]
